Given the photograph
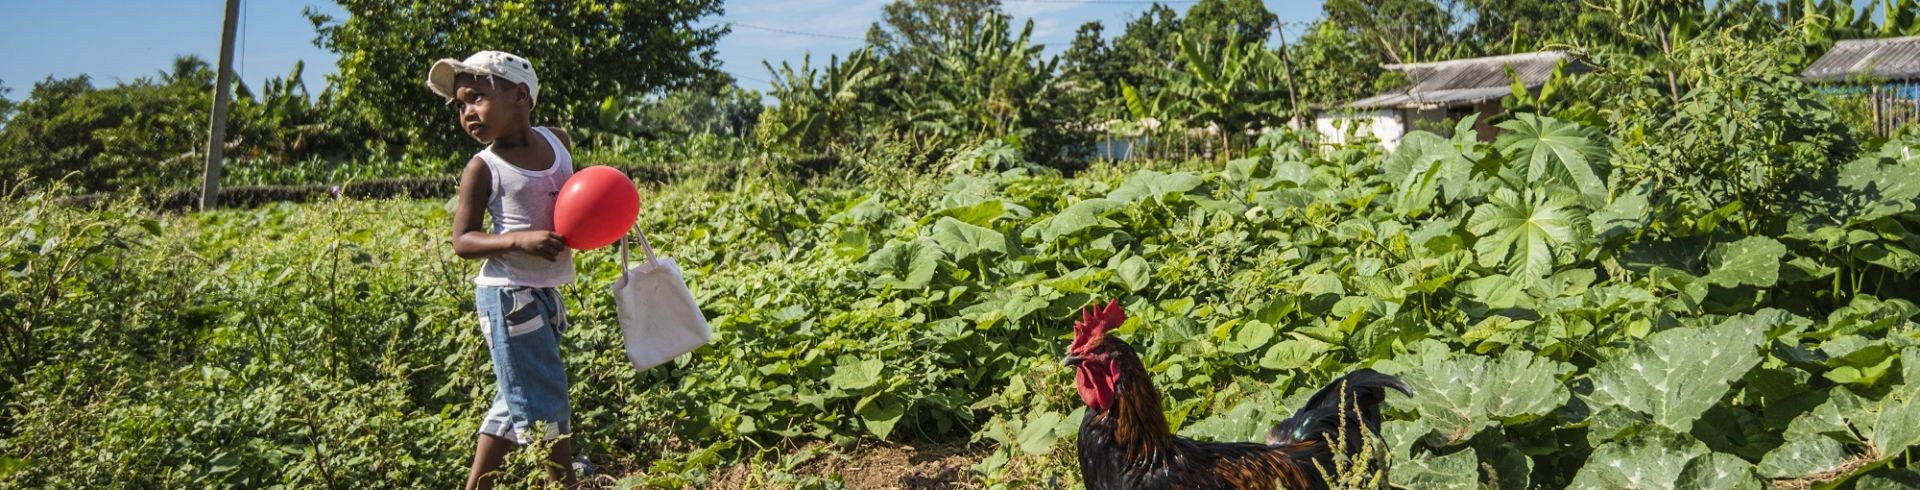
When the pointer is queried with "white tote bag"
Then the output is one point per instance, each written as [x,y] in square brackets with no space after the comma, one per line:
[658,318]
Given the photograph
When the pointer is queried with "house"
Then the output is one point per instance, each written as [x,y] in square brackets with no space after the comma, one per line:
[1886,71]
[1441,92]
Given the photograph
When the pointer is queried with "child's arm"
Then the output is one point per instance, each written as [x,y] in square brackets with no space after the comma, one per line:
[471,241]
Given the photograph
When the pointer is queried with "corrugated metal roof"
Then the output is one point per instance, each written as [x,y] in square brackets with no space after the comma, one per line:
[1442,98]
[1462,82]
[1895,58]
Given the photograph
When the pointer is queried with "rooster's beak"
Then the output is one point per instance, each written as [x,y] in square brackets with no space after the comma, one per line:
[1072,360]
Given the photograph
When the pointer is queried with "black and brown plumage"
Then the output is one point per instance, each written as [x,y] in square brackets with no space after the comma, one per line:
[1125,442]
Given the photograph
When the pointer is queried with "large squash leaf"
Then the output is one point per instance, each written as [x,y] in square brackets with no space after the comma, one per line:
[1752,261]
[982,213]
[1459,469]
[880,413]
[1039,433]
[1079,216]
[1462,394]
[1677,374]
[1420,167]
[965,240]
[1645,464]
[1889,479]
[1818,442]
[1246,421]
[853,374]
[1719,471]
[905,265]
[1157,185]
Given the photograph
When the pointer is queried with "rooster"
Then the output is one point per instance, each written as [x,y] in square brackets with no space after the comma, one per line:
[1125,442]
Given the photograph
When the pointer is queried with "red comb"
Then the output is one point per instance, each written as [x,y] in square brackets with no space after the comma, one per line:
[1095,322]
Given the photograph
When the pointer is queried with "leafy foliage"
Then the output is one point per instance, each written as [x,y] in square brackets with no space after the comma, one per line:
[932,309]
[1558,151]
[1527,233]
[584,51]
[151,133]
[1682,272]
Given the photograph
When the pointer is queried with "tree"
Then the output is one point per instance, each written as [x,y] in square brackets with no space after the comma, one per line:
[282,124]
[1085,69]
[1233,87]
[1658,30]
[584,51]
[725,111]
[906,23]
[1518,26]
[1089,54]
[1403,31]
[819,108]
[1246,21]
[1821,23]
[1147,46]
[1332,65]
[6,106]
[982,82]
[146,133]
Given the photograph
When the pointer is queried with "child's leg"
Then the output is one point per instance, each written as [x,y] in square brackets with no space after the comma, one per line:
[487,456]
[524,326]
[560,463]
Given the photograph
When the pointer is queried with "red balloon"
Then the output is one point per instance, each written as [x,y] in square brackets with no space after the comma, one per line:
[595,207]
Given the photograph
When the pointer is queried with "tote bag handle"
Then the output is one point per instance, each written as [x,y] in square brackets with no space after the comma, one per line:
[644,245]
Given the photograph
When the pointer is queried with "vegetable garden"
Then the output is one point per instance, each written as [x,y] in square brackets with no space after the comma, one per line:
[1562,325]
[1684,268]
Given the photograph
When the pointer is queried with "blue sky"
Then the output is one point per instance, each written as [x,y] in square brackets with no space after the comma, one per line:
[121,40]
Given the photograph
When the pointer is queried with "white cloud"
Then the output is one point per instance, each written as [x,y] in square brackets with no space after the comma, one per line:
[1047,17]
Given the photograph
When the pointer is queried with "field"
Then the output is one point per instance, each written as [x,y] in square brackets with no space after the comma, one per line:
[1558,330]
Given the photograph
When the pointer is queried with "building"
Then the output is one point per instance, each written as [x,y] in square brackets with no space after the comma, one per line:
[1885,71]
[1441,92]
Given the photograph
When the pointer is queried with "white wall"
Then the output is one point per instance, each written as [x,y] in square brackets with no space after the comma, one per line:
[1344,127]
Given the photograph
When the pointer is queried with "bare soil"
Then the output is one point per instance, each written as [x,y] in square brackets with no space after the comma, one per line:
[878,466]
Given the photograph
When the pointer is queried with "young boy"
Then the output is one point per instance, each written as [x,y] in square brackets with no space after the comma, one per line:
[515,179]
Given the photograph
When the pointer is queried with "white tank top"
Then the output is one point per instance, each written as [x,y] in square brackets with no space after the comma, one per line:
[523,200]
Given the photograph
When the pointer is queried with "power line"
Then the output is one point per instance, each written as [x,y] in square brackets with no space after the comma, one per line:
[1279,24]
[796,33]
[748,78]
[1107,2]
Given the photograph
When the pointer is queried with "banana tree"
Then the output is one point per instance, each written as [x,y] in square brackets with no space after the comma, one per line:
[1233,88]
[817,108]
[980,83]
[1147,112]
[1822,22]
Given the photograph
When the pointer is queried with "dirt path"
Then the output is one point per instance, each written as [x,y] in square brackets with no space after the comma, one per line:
[879,466]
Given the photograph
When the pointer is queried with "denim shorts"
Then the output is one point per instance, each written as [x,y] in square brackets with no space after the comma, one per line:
[522,326]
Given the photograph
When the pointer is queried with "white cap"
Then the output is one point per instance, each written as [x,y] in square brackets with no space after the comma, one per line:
[482,64]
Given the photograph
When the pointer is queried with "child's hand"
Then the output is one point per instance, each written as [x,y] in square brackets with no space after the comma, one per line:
[545,244]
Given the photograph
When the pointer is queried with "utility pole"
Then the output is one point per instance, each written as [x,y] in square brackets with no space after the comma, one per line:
[217,129]
[1286,70]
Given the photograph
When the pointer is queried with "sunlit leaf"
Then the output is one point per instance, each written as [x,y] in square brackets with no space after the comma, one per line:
[1560,151]
[1526,234]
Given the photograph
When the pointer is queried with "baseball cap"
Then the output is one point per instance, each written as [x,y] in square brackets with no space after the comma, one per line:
[483,64]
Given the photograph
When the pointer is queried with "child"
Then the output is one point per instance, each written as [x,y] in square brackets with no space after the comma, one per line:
[515,179]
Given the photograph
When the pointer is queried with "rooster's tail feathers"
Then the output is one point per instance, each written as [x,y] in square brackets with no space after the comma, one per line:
[1359,392]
